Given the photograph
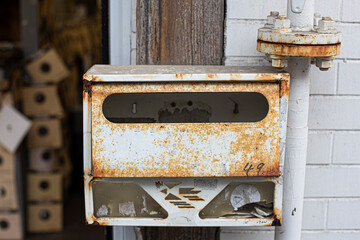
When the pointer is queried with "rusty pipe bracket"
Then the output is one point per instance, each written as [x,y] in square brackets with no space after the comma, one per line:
[277,38]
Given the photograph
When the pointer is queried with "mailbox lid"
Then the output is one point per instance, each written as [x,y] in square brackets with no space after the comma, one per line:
[184,149]
[170,73]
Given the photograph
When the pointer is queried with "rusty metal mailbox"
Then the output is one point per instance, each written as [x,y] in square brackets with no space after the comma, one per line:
[184,145]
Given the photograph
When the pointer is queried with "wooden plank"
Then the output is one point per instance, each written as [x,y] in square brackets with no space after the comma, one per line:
[148,31]
[180,32]
[187,32]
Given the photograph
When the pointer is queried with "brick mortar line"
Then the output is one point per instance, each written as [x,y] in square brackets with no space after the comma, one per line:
[328,165]
[262,21]
[341,9]
[332,231]
[335,130]
[337,78]
[314,166]
[337,96]
[340,96]
[317,199]
[326,219]
[332,140]
[239,230]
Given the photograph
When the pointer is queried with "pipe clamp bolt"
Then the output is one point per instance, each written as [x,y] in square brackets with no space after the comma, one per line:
[278,62]
[326,25]
[324,63]
[281,25]
[270,19]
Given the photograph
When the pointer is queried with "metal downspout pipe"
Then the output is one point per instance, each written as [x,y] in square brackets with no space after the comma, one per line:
[297,132]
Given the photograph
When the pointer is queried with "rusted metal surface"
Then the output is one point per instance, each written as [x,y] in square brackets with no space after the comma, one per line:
[184,150]
[100,134]
[283,49]
[186,216]
[278,38]
[299,38]
[148,73]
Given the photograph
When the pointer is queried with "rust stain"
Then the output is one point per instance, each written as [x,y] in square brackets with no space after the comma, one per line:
[277,216]
[284,89]
[179,76]
[299,39]
[298,50]
[211,76]
[267,76]
[97,79]
[235,77]
[95,221]
[86,87]
[84,177]
[327,18]
[178,166]
[92,78]
[88,77]
[182,76]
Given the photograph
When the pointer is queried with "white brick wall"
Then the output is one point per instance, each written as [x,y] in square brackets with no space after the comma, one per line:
[332,192]
[349,78]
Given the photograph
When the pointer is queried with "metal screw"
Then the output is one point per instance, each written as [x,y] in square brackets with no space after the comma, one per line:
[281,25]
[270,19]
[278,62]
[324,63]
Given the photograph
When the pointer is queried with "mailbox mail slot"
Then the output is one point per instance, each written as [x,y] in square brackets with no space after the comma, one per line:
[162,138]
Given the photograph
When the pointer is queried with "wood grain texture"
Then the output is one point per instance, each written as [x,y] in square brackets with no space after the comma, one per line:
[187,32]
[180,32]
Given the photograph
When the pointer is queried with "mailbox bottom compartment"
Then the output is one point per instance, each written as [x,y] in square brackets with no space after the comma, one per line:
[242,200]
[119,199]
[185,201]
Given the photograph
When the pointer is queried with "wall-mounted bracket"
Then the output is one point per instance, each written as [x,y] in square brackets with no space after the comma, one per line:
[278,40]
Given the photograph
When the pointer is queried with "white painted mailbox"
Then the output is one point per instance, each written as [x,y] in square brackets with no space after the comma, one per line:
[184,145]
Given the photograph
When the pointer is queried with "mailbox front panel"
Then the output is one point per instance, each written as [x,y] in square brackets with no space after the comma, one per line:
[184,145]
[137,139]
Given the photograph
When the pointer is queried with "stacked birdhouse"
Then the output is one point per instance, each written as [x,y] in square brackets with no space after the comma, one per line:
[13,128]
[10,216]
[48,164]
